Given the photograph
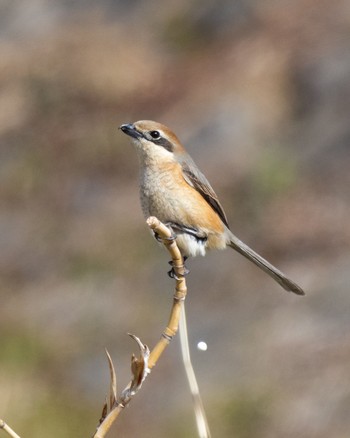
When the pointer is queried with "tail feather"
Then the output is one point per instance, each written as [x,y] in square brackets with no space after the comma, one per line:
[263,264]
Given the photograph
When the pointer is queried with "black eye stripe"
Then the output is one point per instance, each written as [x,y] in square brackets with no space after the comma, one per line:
[160,141]
[166,144]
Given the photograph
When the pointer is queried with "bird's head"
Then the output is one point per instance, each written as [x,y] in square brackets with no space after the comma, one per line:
[153,140]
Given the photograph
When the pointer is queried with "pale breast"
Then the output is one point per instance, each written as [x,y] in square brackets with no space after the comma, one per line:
[158,194]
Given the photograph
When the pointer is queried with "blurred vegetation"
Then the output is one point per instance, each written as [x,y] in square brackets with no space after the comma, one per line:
[19,351]
[58,415]
[245,415]
[259,94]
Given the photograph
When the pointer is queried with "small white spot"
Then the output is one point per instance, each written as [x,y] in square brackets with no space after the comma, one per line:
[202,346]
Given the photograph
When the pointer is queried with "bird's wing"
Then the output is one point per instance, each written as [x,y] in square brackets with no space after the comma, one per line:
[194,177]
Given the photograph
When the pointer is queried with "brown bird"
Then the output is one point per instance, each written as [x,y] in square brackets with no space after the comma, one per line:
[173,189]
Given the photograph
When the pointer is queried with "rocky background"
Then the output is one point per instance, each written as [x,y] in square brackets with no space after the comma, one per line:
[259,92]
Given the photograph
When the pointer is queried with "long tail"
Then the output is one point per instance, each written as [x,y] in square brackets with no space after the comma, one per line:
[263,264]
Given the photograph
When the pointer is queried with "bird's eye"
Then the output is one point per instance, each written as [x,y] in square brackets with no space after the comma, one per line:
[155,134]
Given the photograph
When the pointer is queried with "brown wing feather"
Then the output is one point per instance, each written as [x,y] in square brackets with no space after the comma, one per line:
[194,177]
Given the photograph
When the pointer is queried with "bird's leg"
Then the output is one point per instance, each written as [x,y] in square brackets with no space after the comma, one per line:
[173,236]
[172,273]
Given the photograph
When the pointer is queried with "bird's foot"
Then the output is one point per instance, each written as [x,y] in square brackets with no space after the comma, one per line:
[172,273]
[168,239]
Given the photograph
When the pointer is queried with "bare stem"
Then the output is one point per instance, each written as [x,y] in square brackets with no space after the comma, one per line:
[142,366]
[8,429]
[201,419]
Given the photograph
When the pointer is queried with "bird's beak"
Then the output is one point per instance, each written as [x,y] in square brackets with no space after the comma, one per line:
[129,129]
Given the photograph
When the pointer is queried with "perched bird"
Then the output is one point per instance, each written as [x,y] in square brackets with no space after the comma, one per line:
[173,189]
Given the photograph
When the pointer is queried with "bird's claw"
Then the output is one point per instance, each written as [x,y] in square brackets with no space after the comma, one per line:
[161,239]
[172,273]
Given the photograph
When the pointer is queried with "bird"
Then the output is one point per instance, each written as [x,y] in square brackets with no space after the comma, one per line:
[173,189]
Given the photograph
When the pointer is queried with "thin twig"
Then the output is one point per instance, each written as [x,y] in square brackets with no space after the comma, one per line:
[141,366]
[8,429]
[201,419]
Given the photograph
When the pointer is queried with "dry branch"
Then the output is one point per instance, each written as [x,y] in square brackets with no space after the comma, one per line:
[141,366]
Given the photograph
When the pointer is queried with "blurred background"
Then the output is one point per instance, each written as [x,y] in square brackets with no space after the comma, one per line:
[259,93]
